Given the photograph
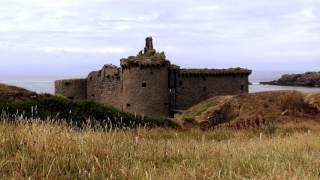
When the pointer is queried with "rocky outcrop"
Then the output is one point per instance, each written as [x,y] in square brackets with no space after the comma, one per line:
[309,79]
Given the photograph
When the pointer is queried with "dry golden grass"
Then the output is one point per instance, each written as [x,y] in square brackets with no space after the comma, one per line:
[252,110]
[313,99]
[43,150]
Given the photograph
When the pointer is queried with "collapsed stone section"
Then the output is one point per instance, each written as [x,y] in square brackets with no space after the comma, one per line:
[148,84]
[105,86]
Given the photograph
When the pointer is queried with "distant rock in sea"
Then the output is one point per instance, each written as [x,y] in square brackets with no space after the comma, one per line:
[308,79]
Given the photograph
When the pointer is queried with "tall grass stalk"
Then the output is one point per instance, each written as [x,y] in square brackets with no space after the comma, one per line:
[50,149]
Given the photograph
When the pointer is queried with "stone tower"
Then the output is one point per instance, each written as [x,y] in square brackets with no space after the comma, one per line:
[145,82]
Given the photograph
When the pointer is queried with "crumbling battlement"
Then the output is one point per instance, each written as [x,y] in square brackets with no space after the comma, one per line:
[128,63]
[147,58]
[148,84]
[108,71]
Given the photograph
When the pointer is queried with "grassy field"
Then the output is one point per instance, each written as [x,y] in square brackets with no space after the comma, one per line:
[283,144]
[47,150]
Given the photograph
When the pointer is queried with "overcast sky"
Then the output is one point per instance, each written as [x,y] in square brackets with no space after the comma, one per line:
[76,36]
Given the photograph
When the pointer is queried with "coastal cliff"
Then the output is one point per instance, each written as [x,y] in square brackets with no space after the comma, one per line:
[308,79]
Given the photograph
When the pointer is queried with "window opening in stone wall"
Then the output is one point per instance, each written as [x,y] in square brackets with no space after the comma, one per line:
[180,83]
[166,104]
[204,78]
[128,105]
[204,89]
[144,84]
[67,83]
[242,88]
[71,97]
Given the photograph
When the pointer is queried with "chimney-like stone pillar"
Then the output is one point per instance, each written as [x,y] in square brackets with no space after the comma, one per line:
[148,49]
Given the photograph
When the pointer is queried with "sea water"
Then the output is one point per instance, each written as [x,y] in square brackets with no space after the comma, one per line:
[39,84]
[45,84]
[265,76]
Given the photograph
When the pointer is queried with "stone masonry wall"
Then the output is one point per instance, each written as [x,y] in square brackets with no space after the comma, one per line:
[72,88]
[191,90]
[145,90]
[107,91]
[105,86]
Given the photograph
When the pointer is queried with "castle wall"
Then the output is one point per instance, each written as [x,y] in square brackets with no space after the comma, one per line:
[192,89]
[149,85]
[105,87]
[72,88]
[145,90]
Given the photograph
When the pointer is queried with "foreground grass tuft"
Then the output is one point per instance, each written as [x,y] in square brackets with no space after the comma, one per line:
[35,149]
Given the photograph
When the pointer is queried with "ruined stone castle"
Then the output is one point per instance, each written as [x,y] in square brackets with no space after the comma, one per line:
[148,84]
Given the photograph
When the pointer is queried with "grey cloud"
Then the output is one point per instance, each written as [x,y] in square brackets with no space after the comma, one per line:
[194,33]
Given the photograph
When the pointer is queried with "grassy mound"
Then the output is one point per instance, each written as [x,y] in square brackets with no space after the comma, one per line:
[16,102]
[14,94]
[252,110]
